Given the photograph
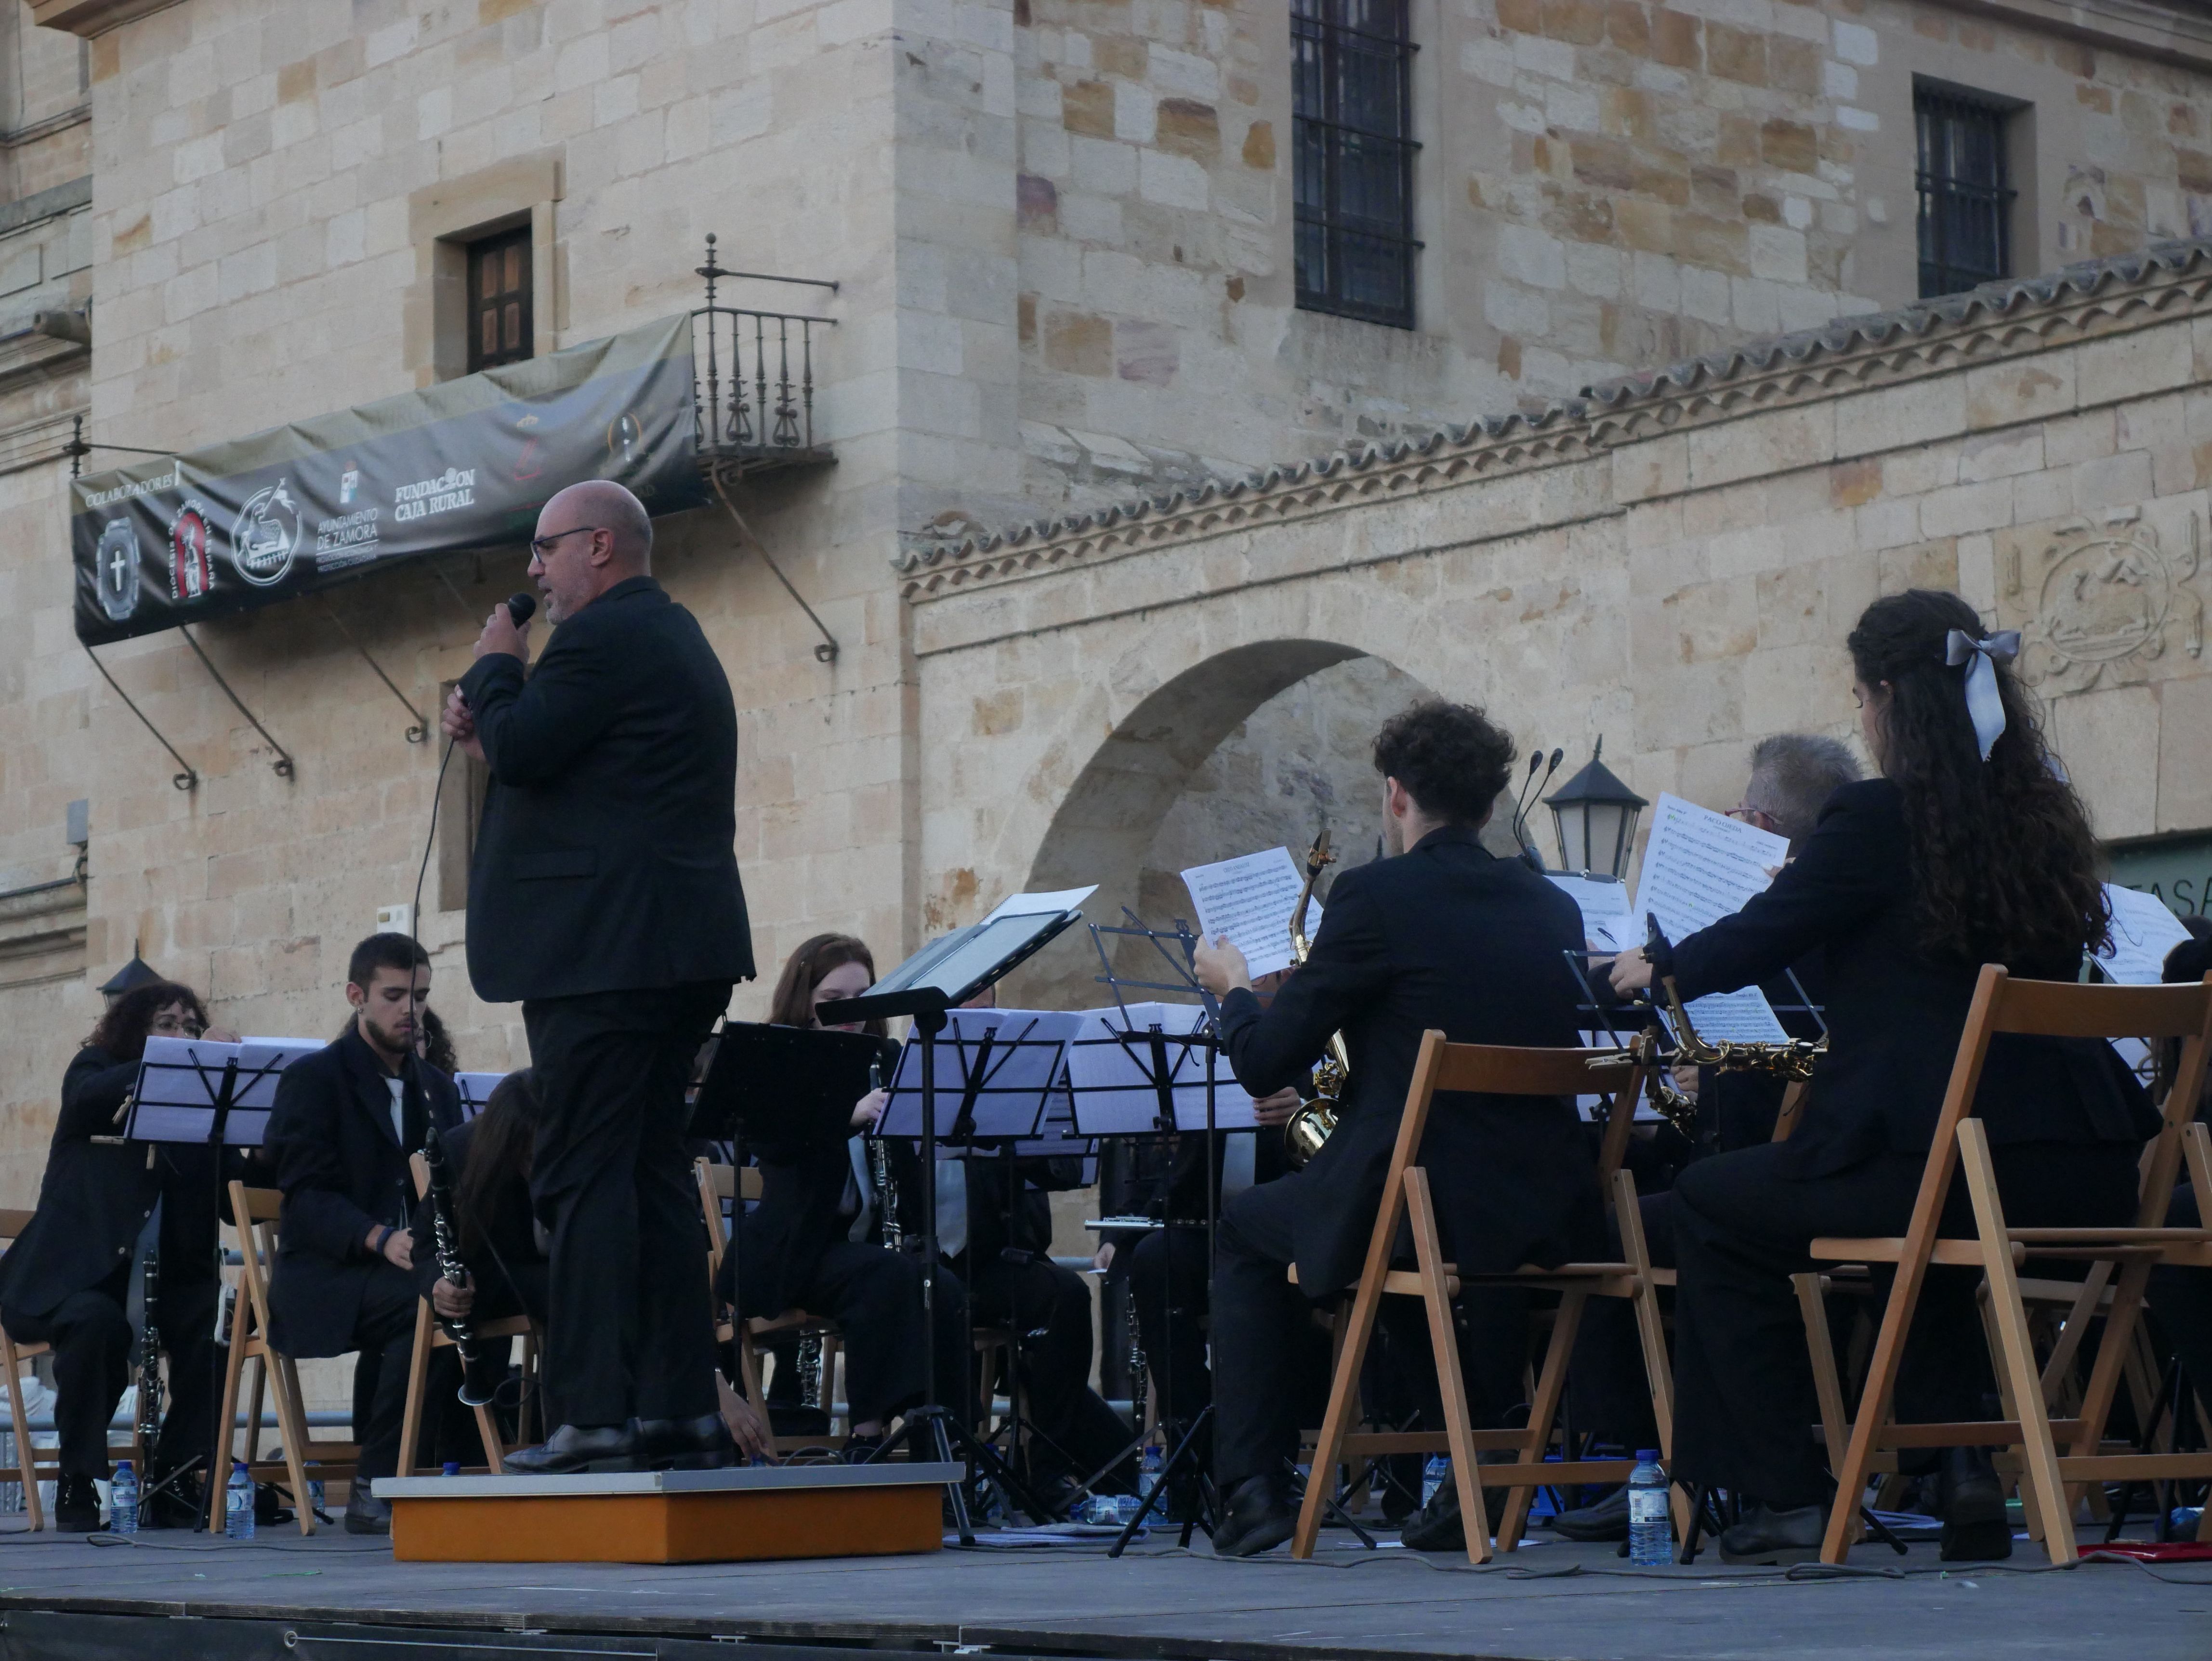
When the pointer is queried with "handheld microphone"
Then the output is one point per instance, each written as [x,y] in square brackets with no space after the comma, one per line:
[520,608]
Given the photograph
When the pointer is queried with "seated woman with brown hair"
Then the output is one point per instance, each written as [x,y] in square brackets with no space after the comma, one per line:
[67,1281]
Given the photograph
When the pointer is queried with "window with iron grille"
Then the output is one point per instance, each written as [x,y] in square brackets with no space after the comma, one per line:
[499,299]
[1966,200]
[1351,126]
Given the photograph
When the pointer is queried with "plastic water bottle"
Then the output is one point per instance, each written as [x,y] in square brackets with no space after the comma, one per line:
[1651,1530]
[123,1501]
[315,1491]
[1434,1476]
[1148,1473]
[452,1468]
[238,1503]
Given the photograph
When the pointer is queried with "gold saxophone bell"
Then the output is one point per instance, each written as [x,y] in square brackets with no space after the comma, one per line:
[1311,1125]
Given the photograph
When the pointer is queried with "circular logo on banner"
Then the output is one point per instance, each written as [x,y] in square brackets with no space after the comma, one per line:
[117,567]
[191,574]
[266,536]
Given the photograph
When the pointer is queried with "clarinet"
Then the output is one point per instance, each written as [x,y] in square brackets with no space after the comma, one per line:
[149,1377]
[447,1238]
[879,1167]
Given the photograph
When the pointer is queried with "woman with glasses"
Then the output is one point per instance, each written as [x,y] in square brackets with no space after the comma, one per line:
[67,1282]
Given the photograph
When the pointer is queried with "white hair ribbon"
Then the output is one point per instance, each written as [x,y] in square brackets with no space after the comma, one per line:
[1984,708]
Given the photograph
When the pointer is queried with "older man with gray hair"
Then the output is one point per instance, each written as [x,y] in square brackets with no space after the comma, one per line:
[604,895]
[1792,777]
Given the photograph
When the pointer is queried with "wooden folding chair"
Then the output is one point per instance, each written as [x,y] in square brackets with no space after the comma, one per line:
[28,1471]
[2048,1008]
[1493,1070]
[256,1211]
[720,1184]
[430,1336]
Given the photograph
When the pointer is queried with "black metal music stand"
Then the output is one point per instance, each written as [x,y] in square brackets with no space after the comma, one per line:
[926,987]
[192,1092]
[1150,1053]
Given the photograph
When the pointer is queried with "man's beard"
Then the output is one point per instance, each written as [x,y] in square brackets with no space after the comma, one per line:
[393,1043]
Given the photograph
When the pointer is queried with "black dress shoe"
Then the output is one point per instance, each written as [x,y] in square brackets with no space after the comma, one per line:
[77,1505]
[1768,1536]
[701,1444]
[1437,1526]
[1975,1527]
[1258,1514]
[1605,1520]
[575,1450]
[365,1513]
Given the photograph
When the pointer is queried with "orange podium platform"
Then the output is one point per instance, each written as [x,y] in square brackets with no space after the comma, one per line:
[747,1514]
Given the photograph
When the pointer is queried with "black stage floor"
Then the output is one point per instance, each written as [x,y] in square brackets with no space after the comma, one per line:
[335,1598]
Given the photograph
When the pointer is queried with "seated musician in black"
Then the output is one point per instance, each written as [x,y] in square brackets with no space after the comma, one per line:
[2180,1298]
[815,1241]
[1166,1269]
[1445,936]
[346,1119]
[499,1244]
[68,1280]
[1793,775]
[1969,848]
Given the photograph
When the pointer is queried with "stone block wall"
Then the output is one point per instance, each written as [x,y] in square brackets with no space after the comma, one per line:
[1603,186]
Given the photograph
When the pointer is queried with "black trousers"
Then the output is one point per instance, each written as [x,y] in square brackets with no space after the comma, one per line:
[1049,1308]
[384,1333]
[875,1297]
[2181,1302]
[1169,1282]
[95,1350]
[1744,1403]
[1606,1389]
[629,1331]
[1271,1362]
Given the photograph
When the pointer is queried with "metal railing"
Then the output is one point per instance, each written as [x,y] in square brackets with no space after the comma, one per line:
[753,386]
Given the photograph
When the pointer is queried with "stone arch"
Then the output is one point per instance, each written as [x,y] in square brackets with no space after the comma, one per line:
[1107,820]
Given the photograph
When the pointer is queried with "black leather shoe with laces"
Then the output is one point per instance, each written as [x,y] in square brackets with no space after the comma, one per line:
[77,1505]
[575,1449]
[1975,1527]
[1258,1514]
[1768,1536]
[701,1444]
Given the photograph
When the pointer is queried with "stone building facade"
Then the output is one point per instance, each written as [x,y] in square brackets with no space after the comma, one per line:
[1062,233]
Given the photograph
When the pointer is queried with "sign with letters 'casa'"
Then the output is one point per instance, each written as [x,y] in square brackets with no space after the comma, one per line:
[467,464]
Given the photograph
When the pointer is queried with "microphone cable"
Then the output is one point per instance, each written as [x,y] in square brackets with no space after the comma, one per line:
[520,608]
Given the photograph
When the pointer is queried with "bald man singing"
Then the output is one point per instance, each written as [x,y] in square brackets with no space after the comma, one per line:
[604,895]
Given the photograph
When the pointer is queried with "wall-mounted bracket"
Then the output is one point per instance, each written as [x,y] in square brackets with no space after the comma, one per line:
[186,780]
[283,762]
[421,729]
[825,650]
[78,449]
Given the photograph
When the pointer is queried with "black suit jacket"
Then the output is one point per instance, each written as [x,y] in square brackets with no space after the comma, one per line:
[95,1198]
[342,1171]
[1444,936]
[605,859]
[1894,1013]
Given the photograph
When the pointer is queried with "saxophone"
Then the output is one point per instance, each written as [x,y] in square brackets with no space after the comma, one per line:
[1309,1126]
[446,1237]
[880,1168]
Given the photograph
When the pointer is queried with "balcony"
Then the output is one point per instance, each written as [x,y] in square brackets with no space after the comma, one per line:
[753,385]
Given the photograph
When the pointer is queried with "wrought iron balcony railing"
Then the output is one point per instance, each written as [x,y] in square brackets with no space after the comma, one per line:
[753,386]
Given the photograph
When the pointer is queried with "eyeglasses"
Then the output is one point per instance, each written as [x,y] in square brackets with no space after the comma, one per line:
[541,546]
[190,1029]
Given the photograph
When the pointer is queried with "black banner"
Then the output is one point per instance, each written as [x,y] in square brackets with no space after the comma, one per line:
[467,464]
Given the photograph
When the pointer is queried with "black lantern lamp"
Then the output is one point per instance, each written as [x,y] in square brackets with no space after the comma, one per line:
[136,973]
[1595,815]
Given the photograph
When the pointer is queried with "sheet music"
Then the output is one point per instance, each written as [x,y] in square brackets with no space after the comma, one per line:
[1109,1067]
[1608,922]
[1024,1063]
[1027,905]
[1250,899]
[476,1090]
[179,1080]
[2143,932]
[1699,867]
